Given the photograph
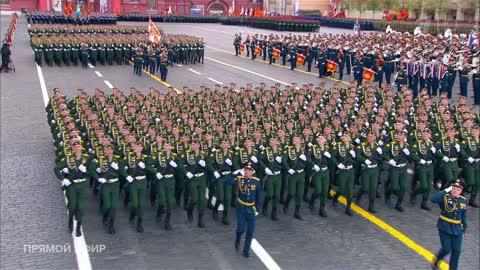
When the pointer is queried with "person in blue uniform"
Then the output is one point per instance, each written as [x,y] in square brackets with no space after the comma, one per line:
[452,223]
[249,190]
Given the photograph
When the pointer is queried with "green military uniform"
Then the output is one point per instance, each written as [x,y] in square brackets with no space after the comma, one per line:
[295,163]
[423,154]
[470,152]
[273,160]
[319,157]
[397,155]
[196,169]
[221,164]
[345,158]
[369,157]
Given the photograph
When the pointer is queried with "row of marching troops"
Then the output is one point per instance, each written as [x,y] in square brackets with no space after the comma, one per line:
[43,17]
[302,141]
[402,59]
[119,49]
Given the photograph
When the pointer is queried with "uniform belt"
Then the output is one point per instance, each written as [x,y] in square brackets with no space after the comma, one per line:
[453,159]
[429,162]
[140,177]
[465,76]
[372,166]
[323,169]
[454,221]
[113,180]
[399,165]
[477,160]
[276,173]
[226,172]
[299,171]
[199,174]
[242,202]
[348,167]
[76,181]
[168,176]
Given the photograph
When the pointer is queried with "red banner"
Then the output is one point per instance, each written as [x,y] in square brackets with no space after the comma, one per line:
[276,53]
[331,66]
[368,74]
[300,59]
[257,50]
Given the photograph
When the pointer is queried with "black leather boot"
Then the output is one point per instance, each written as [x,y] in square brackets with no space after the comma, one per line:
[297,213]
[371,206]
[265,207]
[322,211]
[287,203]
[111,226]
[225,219]
[425,206]
[160,213]
[274,214]
[200,221]
[139,225]
[78,230]
[70,223]
[215,211]
[348,210]
[167,221]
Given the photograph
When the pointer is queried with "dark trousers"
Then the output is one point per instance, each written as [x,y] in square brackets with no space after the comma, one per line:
[450,243]
[246,217]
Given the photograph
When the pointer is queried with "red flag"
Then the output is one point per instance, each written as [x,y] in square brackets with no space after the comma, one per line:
[153,33]
[368,74]
[300,58]
[257,50]
[276,53]
[331,66]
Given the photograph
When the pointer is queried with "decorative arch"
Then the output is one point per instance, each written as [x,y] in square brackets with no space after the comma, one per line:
[216,2]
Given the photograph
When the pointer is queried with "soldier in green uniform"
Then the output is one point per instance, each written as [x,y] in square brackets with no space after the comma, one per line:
[108,168]
[221,161]
[369,156]
[73,170]
[272,162]
[165,162]
[345,158]
[470,153]
[196,170]
[295,163]
[423,154]
[397,153]
[448,152]
[135,175]
[319,155]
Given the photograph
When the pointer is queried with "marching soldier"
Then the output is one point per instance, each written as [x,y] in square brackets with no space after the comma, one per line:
[249,191]
[295,163]
[272,162]
[345,158]
[448,152]
[165,162]
[319,156]
[74,170]
[108,169]
[470,153]
[221,165]
[452,223]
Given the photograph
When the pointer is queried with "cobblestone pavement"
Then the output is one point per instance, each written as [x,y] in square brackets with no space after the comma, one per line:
[33,210]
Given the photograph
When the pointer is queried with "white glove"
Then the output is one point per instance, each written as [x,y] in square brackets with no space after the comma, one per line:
[379,151]
[405,150]
[129,179]
[387,124]
[341,166]
[310,144]
[457,146]
[446,159]
[216,174]
[422,161]
[327,154]
[237,172]
[66,182]
[268,171]
[82,168]
[433,150]
[228,161]
[213,150]
[65,170]
[278,159]
[114,165]
[368,162]
[98,170]
[448,189]
[352,153]
[102,180]
[303,157]
[316,168]
[384,132]
[173,163]
[380,143]
[157,119]
[261,147]
[291,171]
[189,175]
[242,172]
[256,213]
[357,140]
[254,159]
[340,134]
[471,160]
[159,176]
[392,162]
[141,165]
[202,163]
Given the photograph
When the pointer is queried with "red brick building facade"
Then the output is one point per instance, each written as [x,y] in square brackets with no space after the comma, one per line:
[150,6]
